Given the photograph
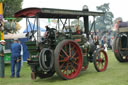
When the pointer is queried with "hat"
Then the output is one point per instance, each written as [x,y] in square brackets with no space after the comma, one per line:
[119,19]
[2,41]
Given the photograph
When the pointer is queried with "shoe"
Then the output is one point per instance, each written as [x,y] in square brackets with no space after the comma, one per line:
[17,76]
[2,77]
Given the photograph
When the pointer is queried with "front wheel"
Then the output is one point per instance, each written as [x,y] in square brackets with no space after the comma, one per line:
[100,60]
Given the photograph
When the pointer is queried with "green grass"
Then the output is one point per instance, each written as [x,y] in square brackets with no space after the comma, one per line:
[116,74]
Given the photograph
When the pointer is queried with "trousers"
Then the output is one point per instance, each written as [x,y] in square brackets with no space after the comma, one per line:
[18,67]
[2,69]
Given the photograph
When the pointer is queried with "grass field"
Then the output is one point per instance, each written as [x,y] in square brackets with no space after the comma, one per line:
[116,74]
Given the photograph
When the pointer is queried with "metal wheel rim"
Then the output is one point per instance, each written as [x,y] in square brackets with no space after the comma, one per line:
[69,62]
[101,61]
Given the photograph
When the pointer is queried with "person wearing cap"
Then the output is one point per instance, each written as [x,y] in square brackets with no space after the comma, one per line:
[78,29]
[15,58]
[2,43]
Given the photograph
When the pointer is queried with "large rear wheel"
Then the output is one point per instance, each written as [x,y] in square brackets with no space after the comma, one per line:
[68,59]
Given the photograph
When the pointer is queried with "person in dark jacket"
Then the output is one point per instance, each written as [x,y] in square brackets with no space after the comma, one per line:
[2,68]
[15,58]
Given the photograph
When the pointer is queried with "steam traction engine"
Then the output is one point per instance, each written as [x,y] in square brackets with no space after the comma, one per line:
[120,44]
[62,50]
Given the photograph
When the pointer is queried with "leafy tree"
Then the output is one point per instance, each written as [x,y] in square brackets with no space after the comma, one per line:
[10,7]
[78,22]
[106,21]
[75,22]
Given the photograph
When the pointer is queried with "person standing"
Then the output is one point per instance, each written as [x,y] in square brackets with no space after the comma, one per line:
[15,58]
[2,43]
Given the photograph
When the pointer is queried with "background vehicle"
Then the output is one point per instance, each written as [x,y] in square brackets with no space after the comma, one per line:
[62,50]
[120,45]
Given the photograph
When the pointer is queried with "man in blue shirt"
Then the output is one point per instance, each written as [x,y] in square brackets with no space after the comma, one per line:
[15,58]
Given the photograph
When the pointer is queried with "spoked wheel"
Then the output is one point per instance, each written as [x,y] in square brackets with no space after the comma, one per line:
[68,59]
[100,60]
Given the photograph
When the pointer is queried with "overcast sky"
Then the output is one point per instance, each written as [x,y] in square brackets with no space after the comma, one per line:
[118,7]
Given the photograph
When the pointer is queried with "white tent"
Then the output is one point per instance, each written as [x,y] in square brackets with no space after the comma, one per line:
[12,36]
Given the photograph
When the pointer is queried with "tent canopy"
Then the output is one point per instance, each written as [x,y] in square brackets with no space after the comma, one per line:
[12,36]
[32,27]
[54,13]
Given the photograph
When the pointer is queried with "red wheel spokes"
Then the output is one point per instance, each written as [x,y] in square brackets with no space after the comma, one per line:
[65,70]
[101,61]
[64,60]
[74,55]
[61,56]
[62,65]
[73,69]
[69,49]
[65,53]
[76,58]
[73,48]
[70,67]
[74,62]
[68,60]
